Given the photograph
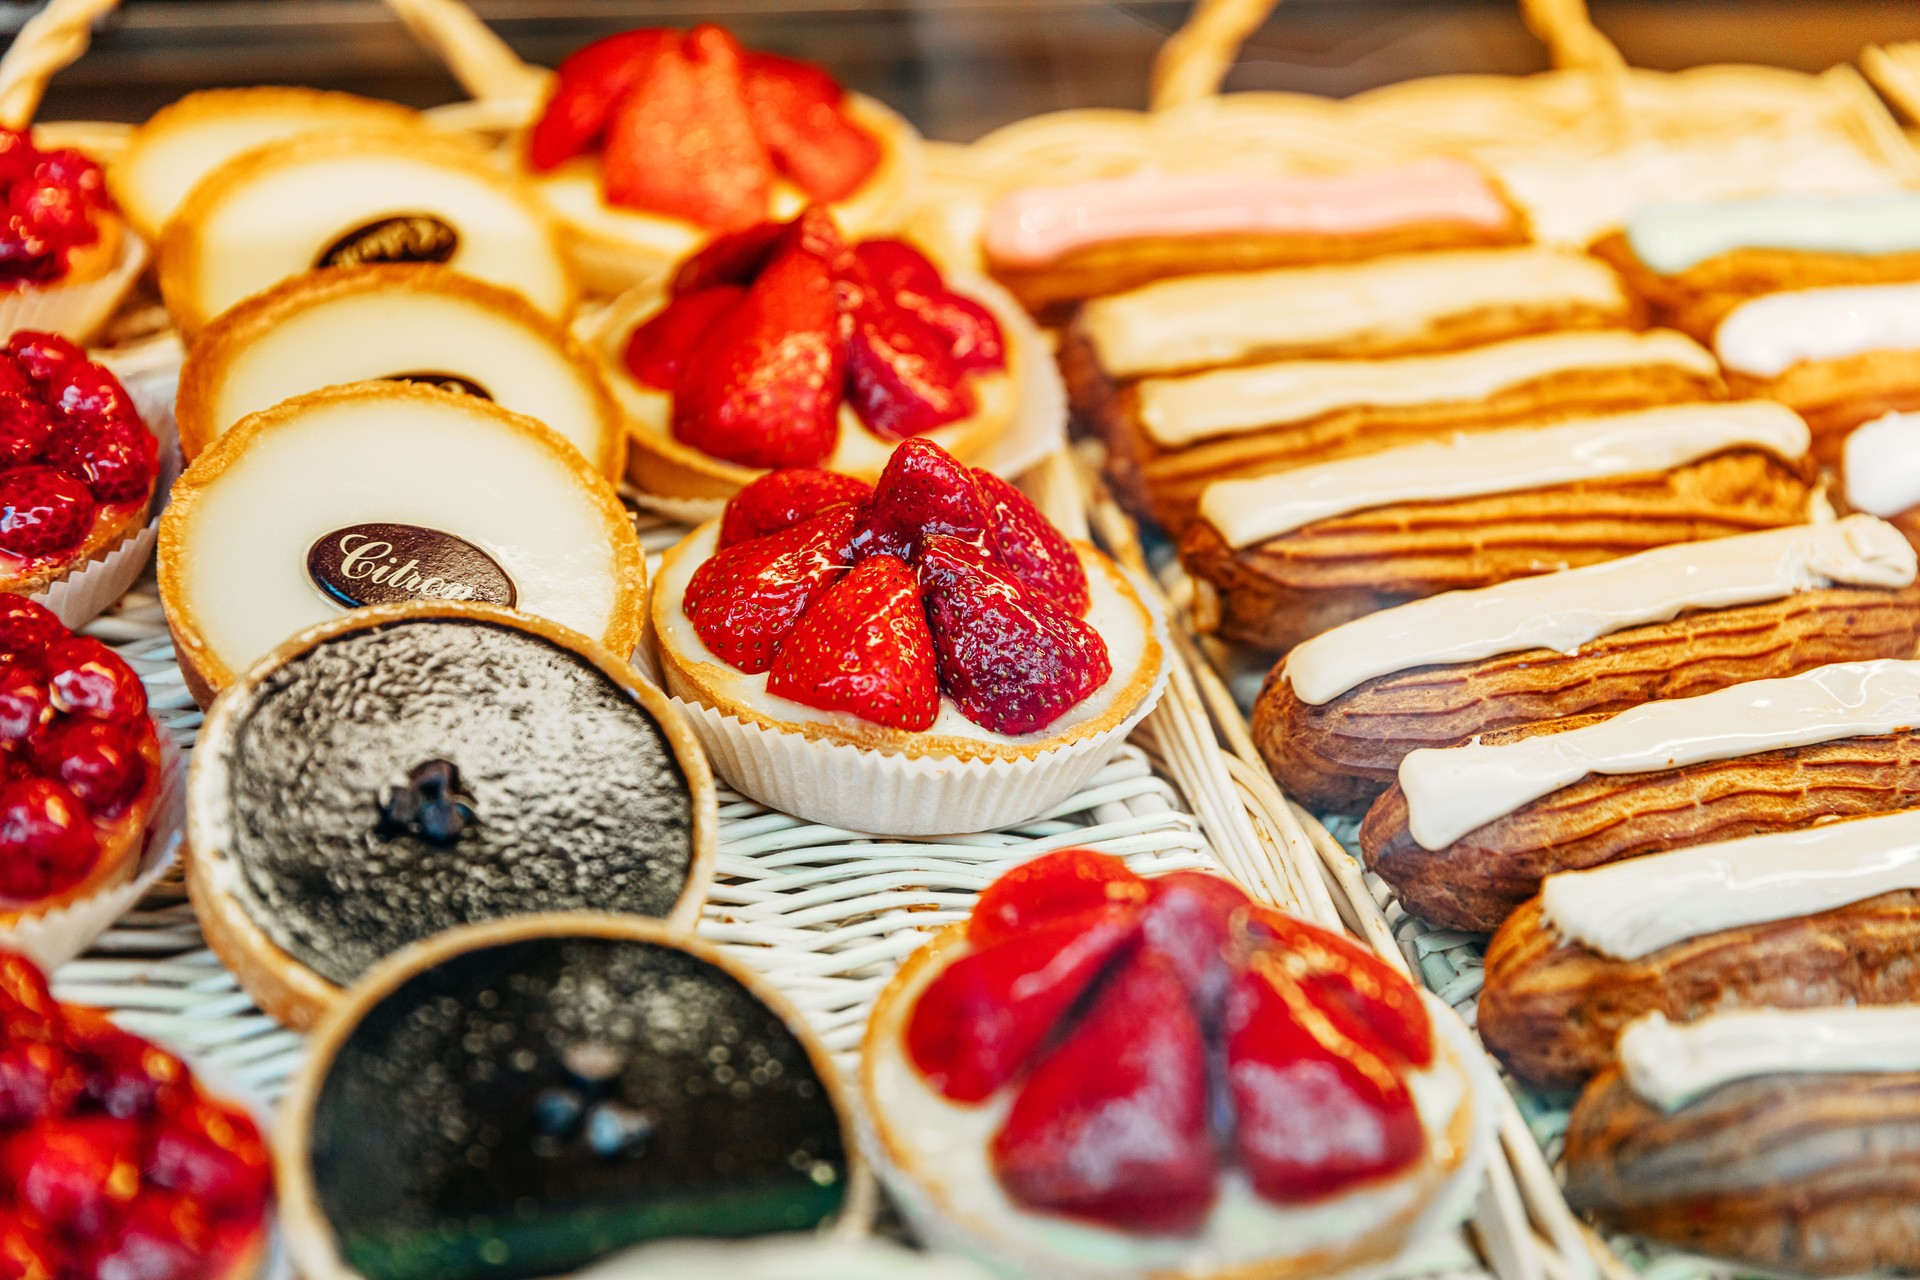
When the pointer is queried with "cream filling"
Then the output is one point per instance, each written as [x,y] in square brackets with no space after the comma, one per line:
[1671,1066]
[1769,335]
[1671,238]
[1246,512]
[366,336]
[1197,321]
[1632,909]
[1562,611]
[1451,791]
[946,1147]
[1881,462]
[244,575]
[1179,411]
[279,223]
[1111,612]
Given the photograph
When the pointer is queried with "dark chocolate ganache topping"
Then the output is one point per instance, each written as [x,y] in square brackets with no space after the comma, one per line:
[393,783]
[525,1108]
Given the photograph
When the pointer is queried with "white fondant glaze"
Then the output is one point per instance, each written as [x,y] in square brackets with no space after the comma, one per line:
[1882,465]
[1634,908]
[1671,1065]
[1179,411]
[1671,238]
[1562,611]
[1769,335]
[1249,511]
[1451,791]
[1197,321]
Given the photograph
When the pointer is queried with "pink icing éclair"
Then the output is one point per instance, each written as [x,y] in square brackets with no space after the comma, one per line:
[1035,226]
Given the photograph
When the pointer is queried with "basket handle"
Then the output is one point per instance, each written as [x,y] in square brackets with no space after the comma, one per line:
[1193,63]
[51,41]
[484,64]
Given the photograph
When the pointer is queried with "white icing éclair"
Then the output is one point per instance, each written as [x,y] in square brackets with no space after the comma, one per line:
[1451,791]
[1881,463]
[1671,238]
[1767,336]
[1197,321]
[1179,411]
[1632,909]
[1562,611]
[1249,511]
[1670,1066]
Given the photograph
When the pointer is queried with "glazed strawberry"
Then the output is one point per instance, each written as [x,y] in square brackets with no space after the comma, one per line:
[161,1237]
[1031,547]
[922,492]
[588,87]
[762,388]
[74,1174]
[26,703]
[747,599]
[47,840]
[214,1156]
[896,267]
[1189,919]
[27,1007]
[980,1021]
[973,335]
[682,142]
[863,648]
[116,458]
[734,258]
[781,499]
[659,347]
[43,513]
[1112,1125]
[98,759]
[1366,997]
[902,378]
[25,425]
[796,112]
[1316,1113]
[1012,660]
[1064,882]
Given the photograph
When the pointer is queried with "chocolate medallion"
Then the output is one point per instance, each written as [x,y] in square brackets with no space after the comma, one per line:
[380,563]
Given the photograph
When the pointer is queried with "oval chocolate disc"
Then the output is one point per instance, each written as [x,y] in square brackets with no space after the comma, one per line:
[444,381]
[367,564]
[405,237]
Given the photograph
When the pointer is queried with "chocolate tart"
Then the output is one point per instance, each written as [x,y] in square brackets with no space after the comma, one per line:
[396,323]
[522,1098]
[281,522]
[409,769]
[351,199]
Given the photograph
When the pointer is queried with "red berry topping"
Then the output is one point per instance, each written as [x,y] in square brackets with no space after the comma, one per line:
[781,499]
[74,1174]
[25,425]
[902,378]
[1062,883]
[746,600]
[922,492]
[213,1155]
[47,841]
[588,87]
[27,1006]
[26,627]
[659,347]
[863,648]
[45,356]
[973,334]
[1032,547]
[127,1077]
[117,459]
[98,759]
[29,1253]
[795,109]
[89,679]
[1359,990]
[90,393]
[734,258]
[36,1078]
[896,267]
[43,513]
[26,704]
[162,1237]
[51,202]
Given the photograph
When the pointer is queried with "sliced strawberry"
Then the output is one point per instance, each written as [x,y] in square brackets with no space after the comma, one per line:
[77,1175]
[44,513]
[988,1012]
[973,334]
[47,841]
[762,388]
[588,86]
[781,499]
[1064,882]
[659,347]
[681,142]
[922,492]
[1111,1126]
[863,648]
[1189,920]
[1316,1113]
[1365,995]
[896,267]
[1037,552]
[1012,660]
[734,258]
[796,110]
[902,378]
[747,599]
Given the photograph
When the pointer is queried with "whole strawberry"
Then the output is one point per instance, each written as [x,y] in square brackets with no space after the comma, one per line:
[781,499]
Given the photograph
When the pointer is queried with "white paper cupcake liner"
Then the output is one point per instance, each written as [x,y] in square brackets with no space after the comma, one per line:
[52,939]
[77,309]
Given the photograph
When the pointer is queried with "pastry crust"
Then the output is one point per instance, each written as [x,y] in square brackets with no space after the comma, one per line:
[1552,1009]
[286,989]
[1817,1174]
[121,843]
[1835,396]
[1342,754]
[214,350]
[1480,879]
[1277,593]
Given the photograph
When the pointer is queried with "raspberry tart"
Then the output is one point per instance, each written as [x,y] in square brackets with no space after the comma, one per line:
[526,1097]
[66,256]
[1099,1075]
[927,656]
[115,1163]
[784,345]
[654,141]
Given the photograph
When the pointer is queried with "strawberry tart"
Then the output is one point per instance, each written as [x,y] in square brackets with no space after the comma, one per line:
[1099,1075]
[784,345]
[965,664]
[114,1162]
[653,141]
[66,257]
